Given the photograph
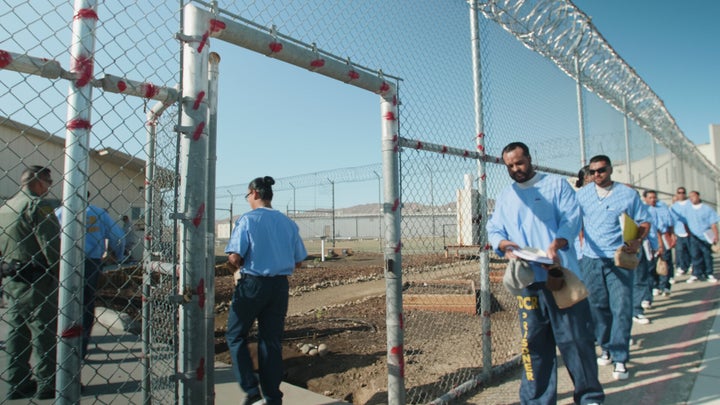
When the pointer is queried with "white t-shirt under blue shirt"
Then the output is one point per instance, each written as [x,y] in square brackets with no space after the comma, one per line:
[601,218]
[700,218]
[268,241]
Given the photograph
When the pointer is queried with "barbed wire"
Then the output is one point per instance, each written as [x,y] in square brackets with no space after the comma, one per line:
[560,31]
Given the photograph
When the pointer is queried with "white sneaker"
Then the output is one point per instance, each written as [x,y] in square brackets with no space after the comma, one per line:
[671,280]
[641,319]
[655,292]
[620,372]
[666,292]
[692,279]
[645,304]
[604,359]
[711,279]
[680,272]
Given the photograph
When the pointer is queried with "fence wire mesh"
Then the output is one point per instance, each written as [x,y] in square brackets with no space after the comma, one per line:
[531,54]
[133,42]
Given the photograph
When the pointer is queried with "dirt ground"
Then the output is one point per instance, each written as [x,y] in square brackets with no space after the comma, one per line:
[340,303]
[354,369]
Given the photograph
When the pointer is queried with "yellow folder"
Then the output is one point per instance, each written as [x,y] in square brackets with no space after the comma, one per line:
[629,227]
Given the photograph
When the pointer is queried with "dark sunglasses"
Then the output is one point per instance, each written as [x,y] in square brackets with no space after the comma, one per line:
[598,170]
[681,192]
[248,195]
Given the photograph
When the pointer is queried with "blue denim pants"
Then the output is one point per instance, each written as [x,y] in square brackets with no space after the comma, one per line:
[93,267]
[543,326]
[642,284]
[264,299]
[610,291]
[701,255]
[682,253]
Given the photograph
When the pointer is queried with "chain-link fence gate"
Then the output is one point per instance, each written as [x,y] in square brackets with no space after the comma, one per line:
[435,143]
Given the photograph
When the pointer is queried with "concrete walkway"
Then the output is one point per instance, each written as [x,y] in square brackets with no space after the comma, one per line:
[113,372]
[674,360]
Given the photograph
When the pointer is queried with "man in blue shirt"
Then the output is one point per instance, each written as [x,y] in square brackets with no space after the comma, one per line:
[100,231]
[610,287]
[642,285]
[702,224]
[265,247]
[665,232]
[540,211]
[682,244]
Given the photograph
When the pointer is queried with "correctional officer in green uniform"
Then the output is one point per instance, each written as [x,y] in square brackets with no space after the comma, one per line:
[30,243]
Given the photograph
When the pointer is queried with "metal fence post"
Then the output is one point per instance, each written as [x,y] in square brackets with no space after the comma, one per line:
[70,295]
[482,190]
[626,130]
[581,111]
[655,165]
[393,259]
[151,187]
[193,206]
[213,77]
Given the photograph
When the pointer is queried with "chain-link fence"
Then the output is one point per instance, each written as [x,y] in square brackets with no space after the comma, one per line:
[135,146]
[122,59]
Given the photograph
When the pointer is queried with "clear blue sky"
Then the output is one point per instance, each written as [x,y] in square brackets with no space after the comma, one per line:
[675,47]
[325,125]
[280,120]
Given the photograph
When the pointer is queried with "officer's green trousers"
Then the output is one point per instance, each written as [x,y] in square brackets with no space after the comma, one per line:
[32,318]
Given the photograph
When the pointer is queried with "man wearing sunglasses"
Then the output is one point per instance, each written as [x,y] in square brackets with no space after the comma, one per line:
[610,286]
[682,243]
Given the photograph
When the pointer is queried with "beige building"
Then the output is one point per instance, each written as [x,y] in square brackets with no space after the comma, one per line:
[116,179]
[671,172]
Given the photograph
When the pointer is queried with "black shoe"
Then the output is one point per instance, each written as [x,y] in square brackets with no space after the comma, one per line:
[26,390]
[254,399]
[48,394]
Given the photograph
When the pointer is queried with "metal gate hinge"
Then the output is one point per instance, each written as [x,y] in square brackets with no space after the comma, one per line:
[181,299]
[178,215]
[187,38]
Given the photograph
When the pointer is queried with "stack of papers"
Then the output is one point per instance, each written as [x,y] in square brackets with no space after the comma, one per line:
[532,255]
[629,227]
[709,235]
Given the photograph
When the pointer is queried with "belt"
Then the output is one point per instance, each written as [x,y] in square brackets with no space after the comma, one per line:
[23,272]
[248,275]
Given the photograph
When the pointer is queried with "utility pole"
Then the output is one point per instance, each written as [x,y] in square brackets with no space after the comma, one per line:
[232,198]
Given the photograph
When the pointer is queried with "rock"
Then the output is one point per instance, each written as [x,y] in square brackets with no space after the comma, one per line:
[322,349]
[305,348]
[313,352]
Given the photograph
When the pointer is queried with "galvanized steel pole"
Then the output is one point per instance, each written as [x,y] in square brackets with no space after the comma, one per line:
[627,143]
[392,253]
[655,166]
[75,179]
[213,77]
[151,187]
[581,112]
[193,206]
[482,191]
